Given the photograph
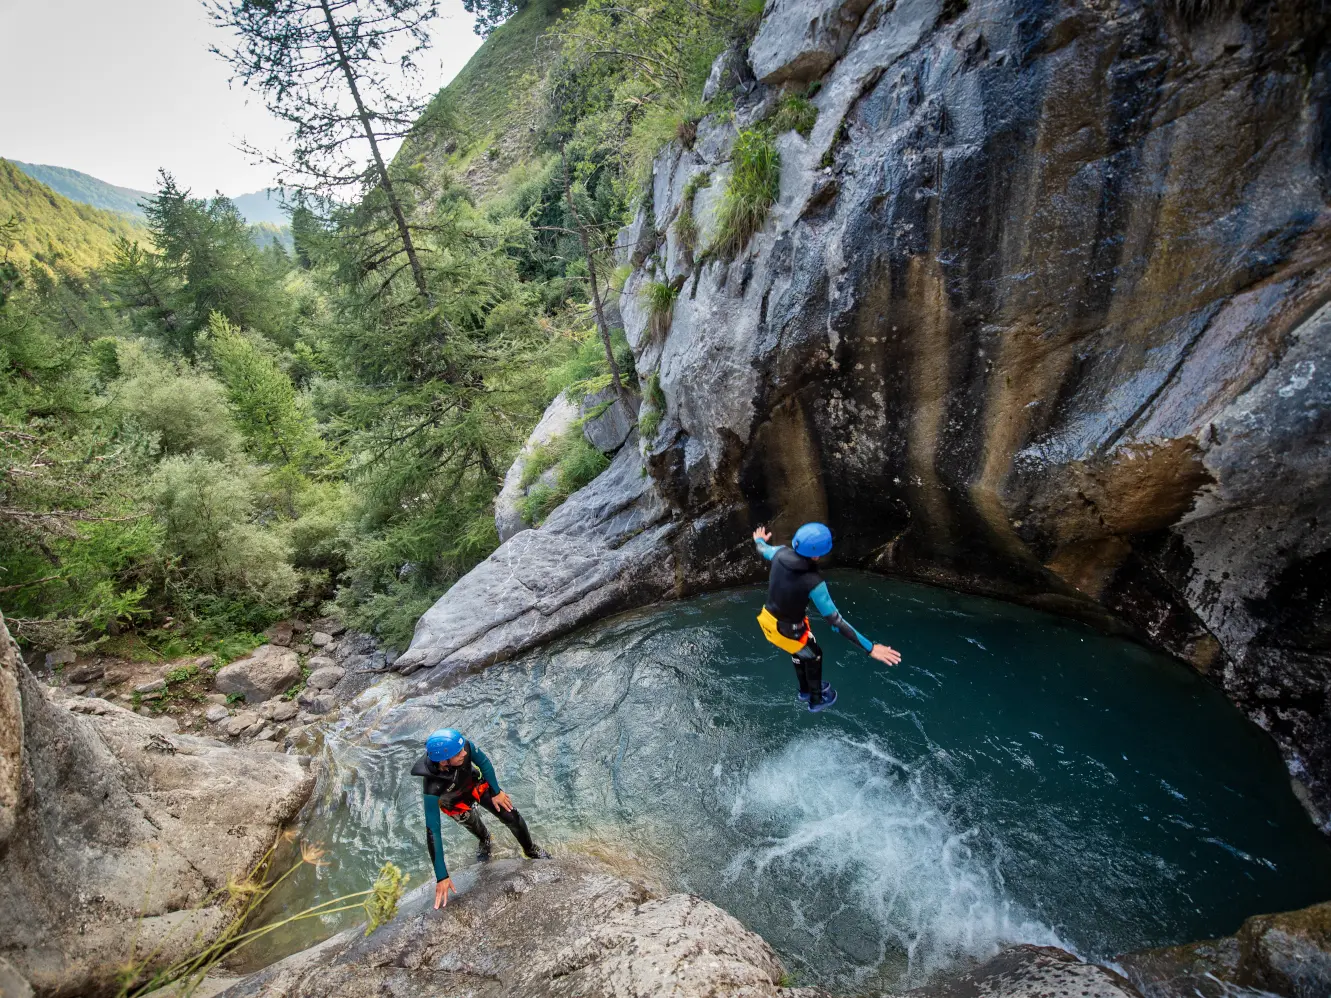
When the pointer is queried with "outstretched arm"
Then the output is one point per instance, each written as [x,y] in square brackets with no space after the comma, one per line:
[434,839]
[822,599]
[760,537]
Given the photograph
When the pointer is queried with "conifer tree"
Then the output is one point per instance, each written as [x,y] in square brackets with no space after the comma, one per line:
[334,71]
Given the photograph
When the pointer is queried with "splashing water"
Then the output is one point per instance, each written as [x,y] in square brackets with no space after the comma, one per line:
[873,834]
[1019,778]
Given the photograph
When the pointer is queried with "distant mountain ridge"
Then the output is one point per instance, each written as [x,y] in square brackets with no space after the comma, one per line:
[85,189]
[256,207]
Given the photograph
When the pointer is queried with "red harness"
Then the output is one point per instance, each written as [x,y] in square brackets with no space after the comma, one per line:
[458,808]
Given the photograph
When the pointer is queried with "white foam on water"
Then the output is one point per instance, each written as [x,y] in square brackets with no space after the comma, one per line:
[845,815]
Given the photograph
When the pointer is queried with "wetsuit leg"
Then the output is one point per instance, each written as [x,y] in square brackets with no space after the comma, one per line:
[471,821]
[512,820]
[809,669]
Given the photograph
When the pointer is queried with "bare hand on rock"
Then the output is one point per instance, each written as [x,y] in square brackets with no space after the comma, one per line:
[441,890]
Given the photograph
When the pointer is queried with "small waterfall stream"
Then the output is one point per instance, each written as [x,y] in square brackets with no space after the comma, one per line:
[1019,778]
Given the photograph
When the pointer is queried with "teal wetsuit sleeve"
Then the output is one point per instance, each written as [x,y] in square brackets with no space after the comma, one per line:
[434,838]
[765,549]
[485,765]
[822,599]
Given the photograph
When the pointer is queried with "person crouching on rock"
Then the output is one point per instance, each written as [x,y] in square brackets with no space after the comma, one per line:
[795,581]
[457,777]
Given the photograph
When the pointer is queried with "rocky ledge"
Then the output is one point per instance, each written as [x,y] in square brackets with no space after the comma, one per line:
[573,928]
[117,833]
[521,929]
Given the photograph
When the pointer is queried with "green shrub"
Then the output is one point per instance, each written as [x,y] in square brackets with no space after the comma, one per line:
[754,184]
[660,299]
[577,461]
[182,673]
[204,507]
[185,410]
[794,113]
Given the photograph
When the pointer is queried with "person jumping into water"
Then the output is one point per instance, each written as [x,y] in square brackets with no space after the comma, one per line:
[794,581]
[457,777]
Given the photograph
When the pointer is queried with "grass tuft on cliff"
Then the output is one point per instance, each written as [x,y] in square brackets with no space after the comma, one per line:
[755,182]
[660,300]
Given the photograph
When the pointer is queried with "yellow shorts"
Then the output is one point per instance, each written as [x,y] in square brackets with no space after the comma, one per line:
[769,625]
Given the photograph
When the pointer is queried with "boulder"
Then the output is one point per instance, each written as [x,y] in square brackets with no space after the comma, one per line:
[285,710]
[329,625]
[240,722]
[216,712]
[1029,972]
[268,671]
[205,661]
[321,640]
[61,656]
[325,678]
[114,836]
[155,686]
[317,662]
[1286,954]
[579,929]
[281,634]
[85,672]
[558,418]
[799,40]
[608,430]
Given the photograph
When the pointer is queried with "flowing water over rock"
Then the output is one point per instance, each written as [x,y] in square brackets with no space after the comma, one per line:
[1018,778]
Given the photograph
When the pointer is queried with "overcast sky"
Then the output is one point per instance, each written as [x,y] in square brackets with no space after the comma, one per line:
[118,88]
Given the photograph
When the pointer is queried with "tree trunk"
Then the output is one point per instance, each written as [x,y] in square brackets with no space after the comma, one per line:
[601,326]
[399,216]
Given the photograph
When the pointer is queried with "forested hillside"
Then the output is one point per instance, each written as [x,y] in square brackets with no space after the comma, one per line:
[42,226]
[204,436]
[85,189]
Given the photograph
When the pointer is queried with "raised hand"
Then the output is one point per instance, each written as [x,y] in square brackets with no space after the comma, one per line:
[762,534]
[886,655]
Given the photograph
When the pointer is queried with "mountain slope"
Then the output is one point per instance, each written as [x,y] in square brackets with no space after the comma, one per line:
[86,189]
[475,123]
[262,206]
[51,229]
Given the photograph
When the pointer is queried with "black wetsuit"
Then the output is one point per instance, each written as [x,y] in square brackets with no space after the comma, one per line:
[456,791]
[795,580]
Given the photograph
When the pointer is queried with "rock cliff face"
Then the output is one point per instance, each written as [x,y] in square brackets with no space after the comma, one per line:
[1040,312]
[115,832]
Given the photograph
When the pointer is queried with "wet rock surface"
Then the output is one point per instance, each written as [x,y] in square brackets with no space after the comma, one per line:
[566,927]
[115,829]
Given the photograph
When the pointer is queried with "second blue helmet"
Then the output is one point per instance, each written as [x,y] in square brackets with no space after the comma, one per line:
[444,744]
[813,540]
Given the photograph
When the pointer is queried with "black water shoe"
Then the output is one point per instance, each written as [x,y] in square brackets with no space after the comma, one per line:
[483,851]
[538,854]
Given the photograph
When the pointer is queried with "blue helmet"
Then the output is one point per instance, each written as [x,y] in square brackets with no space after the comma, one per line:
[444,744]
[813,540]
